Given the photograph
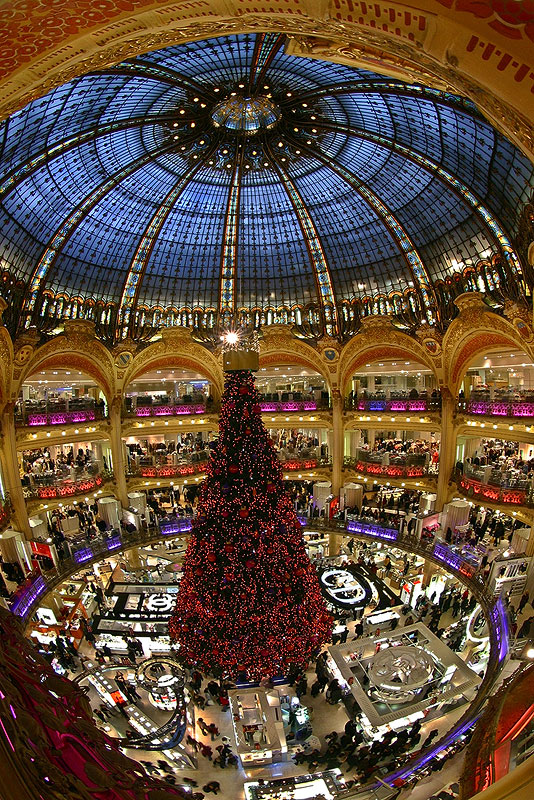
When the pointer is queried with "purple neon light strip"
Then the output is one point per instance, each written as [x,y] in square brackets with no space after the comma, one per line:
[24,601]
[83,555]
[372,530]
[175,527]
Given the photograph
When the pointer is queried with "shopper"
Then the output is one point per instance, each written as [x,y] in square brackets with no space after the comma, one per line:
[302,687]
[202,724]
[212,786]
[213,730]
[106,651]
[334,693]
[213,689]
[522,603]
[430,738]
[206,750]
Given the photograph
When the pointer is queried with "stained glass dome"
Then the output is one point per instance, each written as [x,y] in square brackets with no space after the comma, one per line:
[229,176]
[248,115]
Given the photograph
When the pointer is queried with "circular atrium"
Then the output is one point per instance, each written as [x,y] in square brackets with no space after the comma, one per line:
[267,453]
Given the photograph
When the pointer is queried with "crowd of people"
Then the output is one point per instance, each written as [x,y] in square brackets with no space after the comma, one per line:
[392,393]
[292,443]
[39,467]
[401,451]
[500,463]
[179,395]
[187,448]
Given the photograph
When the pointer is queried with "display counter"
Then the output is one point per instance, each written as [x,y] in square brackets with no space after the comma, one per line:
[344,589]
[152,642]
[382,620]
[327,784]
[399,674]
[316,543]
[258,726]
[141,601]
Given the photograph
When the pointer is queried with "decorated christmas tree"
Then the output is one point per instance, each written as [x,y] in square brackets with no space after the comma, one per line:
[249,600]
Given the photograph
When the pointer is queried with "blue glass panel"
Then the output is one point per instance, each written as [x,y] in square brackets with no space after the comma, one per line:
[105,143]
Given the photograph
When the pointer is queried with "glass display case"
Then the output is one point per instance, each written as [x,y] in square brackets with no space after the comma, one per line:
[381,620]
[328,785]
[258,726]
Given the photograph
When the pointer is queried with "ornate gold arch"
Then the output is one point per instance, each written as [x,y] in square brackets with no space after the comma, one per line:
[379,340]
[69,359]
[280,346]
[176,349]
[477,330]
[481,50]
[77,348]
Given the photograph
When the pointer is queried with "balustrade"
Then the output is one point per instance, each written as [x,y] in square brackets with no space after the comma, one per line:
[169,470]
[170,410]
[409,466]
[394,404]
[49,415]
[494,493]
[53,488]
[483,406]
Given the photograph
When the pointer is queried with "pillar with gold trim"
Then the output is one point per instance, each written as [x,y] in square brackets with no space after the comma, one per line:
[116,450]
[11,472]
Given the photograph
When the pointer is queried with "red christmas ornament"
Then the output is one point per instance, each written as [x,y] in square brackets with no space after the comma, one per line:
[243,513]
[212,557]
[233,469]
[250,563]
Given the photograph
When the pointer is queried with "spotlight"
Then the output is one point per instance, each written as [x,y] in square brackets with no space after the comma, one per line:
[231,337]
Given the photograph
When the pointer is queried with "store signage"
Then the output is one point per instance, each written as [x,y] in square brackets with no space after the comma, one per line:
[41,549]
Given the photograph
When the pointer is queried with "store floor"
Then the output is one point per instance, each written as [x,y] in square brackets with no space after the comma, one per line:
[325,718]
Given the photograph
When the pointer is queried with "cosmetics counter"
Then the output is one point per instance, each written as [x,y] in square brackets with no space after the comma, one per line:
[139,609]
[163,681]
[258,726]
[66,605]
[329,784]
[386,620]
[316,543]
[268,726]
[153,636]
[399,677]
[353,587]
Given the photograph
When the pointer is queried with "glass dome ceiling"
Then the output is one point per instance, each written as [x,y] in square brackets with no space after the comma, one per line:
[226,174]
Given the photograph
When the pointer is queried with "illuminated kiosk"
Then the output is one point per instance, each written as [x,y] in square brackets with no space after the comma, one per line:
[400,675]
[344,589]
[327,785]
[258,726]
